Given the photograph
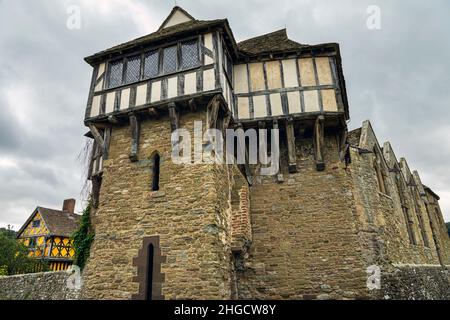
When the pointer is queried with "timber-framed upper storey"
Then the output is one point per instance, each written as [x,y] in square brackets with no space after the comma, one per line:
[269,76]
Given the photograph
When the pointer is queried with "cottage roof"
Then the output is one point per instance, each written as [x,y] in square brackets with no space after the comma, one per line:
[58,223]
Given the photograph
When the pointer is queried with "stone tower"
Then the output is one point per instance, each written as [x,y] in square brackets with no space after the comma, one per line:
[338,204]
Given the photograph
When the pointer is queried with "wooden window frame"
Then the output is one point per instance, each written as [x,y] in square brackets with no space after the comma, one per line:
[160,51]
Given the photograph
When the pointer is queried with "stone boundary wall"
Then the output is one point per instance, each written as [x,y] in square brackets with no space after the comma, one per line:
[415,282]
[37,286]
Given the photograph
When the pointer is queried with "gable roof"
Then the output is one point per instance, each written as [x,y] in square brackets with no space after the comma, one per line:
[160,35]
[58,223]
[271,42]
[176,11]
[428,189]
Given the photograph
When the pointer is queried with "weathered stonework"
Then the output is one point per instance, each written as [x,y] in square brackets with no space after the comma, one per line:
[340,206]
[190,213]
[305,240]
[415,283]
[38,286]
[307,235]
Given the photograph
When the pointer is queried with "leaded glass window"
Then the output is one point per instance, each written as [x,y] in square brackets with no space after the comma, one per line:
[151,64]
[170,59]
[189,54]
[115,73]
[133,69]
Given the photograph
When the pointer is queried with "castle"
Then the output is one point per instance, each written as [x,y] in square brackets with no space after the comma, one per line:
[343,218]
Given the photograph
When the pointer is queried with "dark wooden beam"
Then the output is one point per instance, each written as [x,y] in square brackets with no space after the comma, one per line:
[153,112]
[96,185]
[113,119]
[343,144]
[213,111]
[242,147]
[227,120]
[97,136]
[291,146]
[134,128]
[108,131]
[193,105]
[174,116]
[318,143]
[91,160]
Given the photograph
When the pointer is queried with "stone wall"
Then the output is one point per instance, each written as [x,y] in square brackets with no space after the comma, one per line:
[384,216]
[415,283]
[190,214]
[305,236]
[37,286]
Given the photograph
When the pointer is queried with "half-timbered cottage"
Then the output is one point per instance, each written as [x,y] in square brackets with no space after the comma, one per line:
[47,233]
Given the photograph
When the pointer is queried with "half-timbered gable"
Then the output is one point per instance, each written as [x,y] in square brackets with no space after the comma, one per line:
[47,233]
[277,77]
[183,60]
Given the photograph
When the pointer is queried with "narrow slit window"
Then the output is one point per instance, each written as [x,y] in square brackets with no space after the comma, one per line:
[189,55]
[133,72]
[170,59]
[151,65]
[155,172]
[115,74]
[150,254]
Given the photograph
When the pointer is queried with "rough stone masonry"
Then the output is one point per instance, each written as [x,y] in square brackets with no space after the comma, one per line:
[343,218]
[340,220]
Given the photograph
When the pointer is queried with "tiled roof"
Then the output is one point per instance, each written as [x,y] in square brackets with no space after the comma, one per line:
[271,42]
[59,223]
[182,28]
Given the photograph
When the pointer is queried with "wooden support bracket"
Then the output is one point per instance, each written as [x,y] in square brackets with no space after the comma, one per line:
[193,105]
[107,139]
[243,149]
[291,146]
[174,116]
[213,111]
[343,144]
[153,112]
[134,128]
[112,119]
[99,139]
[318,143]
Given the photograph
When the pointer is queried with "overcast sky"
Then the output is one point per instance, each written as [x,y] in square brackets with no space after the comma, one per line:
[398,77]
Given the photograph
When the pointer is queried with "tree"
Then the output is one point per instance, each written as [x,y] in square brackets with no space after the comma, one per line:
[14,257]
[448,228]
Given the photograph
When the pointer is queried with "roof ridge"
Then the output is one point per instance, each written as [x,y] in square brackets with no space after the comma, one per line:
[267,34]
[174,9]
